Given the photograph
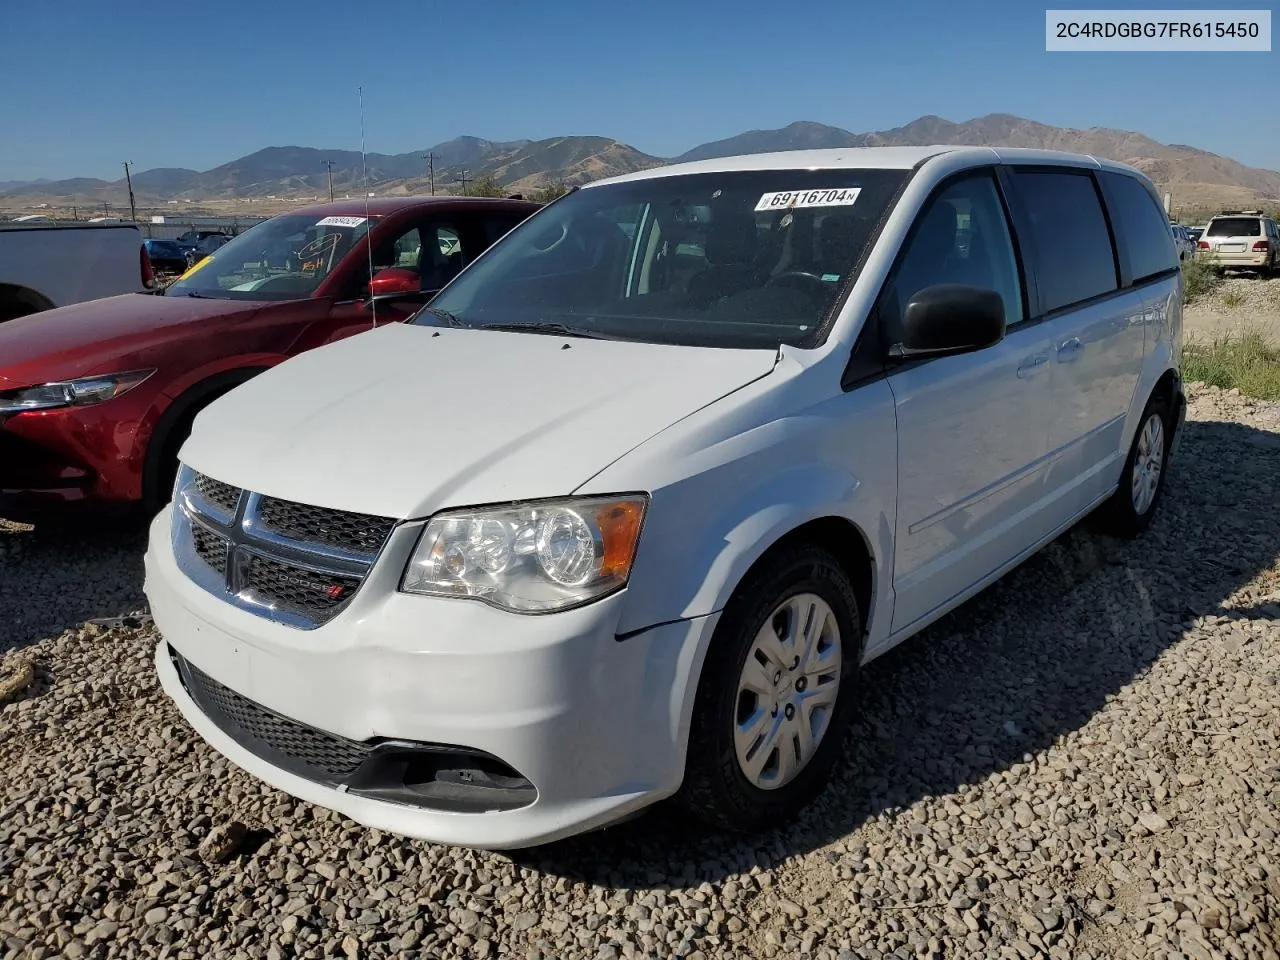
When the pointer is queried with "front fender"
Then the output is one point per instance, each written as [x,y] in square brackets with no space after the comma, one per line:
[692,559]
[728,484]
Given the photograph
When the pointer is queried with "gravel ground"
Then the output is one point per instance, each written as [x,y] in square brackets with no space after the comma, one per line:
[1241,304]
[1081,763]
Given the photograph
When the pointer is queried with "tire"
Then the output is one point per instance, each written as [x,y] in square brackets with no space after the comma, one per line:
[160,470]
[1127,514]
[12,311]
[717,789]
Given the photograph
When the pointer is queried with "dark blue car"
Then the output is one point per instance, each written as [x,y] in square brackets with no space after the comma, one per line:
[167,256]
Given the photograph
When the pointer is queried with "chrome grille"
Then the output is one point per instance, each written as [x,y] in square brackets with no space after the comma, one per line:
[210,547]
[357,532]
[293,563]
[222,495]
[302,591]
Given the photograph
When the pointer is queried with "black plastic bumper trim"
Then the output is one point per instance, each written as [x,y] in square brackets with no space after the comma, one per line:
[410,773]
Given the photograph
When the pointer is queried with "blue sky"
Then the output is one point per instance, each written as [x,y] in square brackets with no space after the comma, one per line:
[85,84]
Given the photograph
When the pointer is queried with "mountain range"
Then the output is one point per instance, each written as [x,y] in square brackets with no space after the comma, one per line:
[523,165]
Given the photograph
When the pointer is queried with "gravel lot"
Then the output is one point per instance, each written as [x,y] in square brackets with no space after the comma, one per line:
[1242,304]
[1083,762]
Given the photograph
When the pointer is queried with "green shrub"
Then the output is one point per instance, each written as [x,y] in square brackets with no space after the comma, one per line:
[485,185]
[1199,279]
[548,193]
[1247,362]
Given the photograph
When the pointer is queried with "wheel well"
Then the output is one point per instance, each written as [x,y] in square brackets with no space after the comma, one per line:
[847,544]
[18,301]
[1166,388]
[175,422]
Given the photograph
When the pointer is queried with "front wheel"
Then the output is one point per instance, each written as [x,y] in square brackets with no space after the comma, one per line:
[1132,507]
[776,694]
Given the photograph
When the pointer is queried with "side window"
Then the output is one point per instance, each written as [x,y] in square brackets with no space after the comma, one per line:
[961,236]
[497,227]
[1068,230]
[444,253]
[1140,224]
[402,251]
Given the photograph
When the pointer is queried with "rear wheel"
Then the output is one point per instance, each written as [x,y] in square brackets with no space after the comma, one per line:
[1132,507]
[776,693]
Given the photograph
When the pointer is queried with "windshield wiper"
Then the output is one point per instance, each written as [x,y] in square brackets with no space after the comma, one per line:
[449,318]
[539,326]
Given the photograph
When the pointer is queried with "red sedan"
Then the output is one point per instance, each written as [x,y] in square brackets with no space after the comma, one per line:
[96,398]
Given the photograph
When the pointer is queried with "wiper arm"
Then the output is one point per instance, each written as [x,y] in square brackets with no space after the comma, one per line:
[452,319]
[555,329]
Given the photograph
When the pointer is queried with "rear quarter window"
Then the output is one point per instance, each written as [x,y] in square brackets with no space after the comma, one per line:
[1061,215]
[1142,227]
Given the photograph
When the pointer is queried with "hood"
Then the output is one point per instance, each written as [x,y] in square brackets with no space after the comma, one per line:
[405,420]
[87,338]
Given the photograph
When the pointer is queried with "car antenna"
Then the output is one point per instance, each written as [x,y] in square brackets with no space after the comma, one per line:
[368,230]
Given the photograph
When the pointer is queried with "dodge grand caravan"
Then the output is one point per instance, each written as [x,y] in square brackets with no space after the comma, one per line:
[622,512]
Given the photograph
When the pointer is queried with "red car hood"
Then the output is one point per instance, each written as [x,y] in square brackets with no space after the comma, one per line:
[90,338]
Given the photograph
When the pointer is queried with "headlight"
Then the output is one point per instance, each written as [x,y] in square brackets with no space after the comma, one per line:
[533,558]
[71,393]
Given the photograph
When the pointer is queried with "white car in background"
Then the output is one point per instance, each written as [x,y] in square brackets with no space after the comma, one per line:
[46,264]
[623,512]
[1182,240]
[1247,240]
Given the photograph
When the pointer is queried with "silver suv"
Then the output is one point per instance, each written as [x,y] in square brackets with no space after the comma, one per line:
[1248,240]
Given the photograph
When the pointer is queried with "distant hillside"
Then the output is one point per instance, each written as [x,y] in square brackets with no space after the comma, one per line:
[801,135]
[1167,164]
[522,165]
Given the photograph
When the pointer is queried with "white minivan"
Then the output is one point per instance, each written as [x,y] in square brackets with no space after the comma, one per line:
[622,512]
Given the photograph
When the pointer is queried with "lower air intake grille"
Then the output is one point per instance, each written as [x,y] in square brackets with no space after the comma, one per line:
[293,746]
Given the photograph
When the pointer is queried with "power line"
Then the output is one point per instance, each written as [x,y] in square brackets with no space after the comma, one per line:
[463,179]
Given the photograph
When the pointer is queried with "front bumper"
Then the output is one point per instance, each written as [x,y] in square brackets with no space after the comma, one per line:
[596,726]
[54,460]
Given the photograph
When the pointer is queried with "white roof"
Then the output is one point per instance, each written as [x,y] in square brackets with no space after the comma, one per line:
[861,158]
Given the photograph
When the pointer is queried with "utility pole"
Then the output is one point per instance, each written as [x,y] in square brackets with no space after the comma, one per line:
[133,208]
[431,170]
[106,209]
[463,179]
[329,166]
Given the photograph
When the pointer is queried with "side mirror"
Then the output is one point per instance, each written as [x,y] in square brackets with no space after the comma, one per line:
[949,319]
[395,283]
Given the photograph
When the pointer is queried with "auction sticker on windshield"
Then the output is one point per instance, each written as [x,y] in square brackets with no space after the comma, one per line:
[340,222]
[799,199]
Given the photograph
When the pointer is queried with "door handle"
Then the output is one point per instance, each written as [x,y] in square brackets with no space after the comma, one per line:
[1031,367]
[1069,350]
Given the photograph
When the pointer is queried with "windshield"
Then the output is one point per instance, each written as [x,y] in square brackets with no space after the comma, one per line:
[739,259]
[1236,227]
[284,258]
